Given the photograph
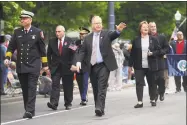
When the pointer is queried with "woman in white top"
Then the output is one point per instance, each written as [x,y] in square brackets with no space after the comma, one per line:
[144,48]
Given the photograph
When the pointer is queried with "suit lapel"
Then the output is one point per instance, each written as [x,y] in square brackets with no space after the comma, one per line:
[55,43]
[30,31]
[90,41]
[101,38]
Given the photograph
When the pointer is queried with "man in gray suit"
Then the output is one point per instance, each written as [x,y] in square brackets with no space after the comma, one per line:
[97,50]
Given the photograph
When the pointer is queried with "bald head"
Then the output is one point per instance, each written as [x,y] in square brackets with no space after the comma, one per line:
[180,36]
[152,28]
[60,31]
[97,24]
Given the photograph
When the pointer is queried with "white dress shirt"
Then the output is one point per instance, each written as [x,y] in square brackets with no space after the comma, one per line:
[62,41]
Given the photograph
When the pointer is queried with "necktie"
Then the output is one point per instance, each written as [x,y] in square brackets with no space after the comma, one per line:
[25,31]
[94,49]
[60,47]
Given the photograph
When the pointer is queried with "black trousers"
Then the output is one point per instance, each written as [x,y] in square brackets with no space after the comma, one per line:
[178,82]
[158,78]
[82,80]
[67,81]
[99,78]
[140,83]
[28,83]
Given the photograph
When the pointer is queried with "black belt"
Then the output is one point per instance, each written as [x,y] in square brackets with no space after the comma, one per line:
[101,63]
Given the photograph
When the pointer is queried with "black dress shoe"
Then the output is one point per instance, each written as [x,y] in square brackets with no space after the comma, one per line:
[161,97]
[28,115]
[98,112]
[103,112]
[83,103]
[178,90]
[138,105]
[153,103]
[51,106]
[68,107]
[3,93]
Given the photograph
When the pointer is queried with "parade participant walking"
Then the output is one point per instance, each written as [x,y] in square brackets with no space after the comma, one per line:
[29,42]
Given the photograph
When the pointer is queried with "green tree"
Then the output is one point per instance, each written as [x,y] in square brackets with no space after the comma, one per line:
[160,12]
[12,12]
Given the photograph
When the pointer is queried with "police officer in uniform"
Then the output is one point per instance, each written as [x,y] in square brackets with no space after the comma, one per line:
[28,41]
[82,76]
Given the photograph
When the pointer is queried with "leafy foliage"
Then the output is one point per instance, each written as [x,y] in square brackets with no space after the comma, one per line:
[73,14]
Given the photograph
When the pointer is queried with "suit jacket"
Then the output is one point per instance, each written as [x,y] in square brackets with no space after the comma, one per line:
[106,38]
[55,59]
[84,63]
[136,54]
[164,44]
[30,49]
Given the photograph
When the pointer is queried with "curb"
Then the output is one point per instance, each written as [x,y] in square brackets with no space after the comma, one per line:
[19,97]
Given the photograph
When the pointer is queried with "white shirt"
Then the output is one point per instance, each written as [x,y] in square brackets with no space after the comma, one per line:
[62,41]
[28,29]
[99,56]
[145,45]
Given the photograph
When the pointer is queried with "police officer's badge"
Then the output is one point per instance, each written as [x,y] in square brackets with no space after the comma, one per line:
[182,65]
[33,37]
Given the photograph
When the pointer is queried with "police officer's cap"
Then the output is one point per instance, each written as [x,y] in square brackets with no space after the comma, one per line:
[26,14]
[84,30]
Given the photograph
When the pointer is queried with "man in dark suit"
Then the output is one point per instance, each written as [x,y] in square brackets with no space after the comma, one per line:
[98,51]
[161,61]
[82,76]
[60,55]
[29,42]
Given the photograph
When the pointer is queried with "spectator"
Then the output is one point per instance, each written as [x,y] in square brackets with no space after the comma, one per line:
[125,62]
[3,68]
[115,78]
[179,47]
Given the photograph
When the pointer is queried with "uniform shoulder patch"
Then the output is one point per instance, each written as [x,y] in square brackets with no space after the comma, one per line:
[42,34]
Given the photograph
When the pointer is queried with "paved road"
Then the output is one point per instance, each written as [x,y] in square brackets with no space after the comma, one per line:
[119,111]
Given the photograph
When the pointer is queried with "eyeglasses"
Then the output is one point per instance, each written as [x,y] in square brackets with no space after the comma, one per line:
[83,33]
[97,23]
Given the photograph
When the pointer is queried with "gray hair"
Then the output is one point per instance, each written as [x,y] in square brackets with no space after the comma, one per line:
[61,27]
[95,18]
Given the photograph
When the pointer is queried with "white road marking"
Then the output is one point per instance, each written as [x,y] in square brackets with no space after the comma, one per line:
[20,120]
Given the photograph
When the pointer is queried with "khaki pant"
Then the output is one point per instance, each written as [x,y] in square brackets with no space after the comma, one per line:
[166,77]
[115,79]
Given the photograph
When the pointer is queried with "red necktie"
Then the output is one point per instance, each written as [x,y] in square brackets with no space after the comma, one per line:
[60,48]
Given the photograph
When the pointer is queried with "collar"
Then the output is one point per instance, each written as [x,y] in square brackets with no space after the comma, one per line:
[96,33]
[62,39]
[28,29]
[155,34]
[146,36]
[180,42]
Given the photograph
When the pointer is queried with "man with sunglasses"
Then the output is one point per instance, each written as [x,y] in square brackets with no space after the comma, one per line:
[82,76]
[29,43]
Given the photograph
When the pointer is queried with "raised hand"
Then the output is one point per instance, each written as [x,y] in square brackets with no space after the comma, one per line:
[121,26]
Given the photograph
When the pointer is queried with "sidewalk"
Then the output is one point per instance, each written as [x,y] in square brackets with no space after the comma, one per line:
[18,97]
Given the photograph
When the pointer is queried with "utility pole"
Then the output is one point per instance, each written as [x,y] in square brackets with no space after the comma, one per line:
[1,24]
[1,19]
[111,16]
